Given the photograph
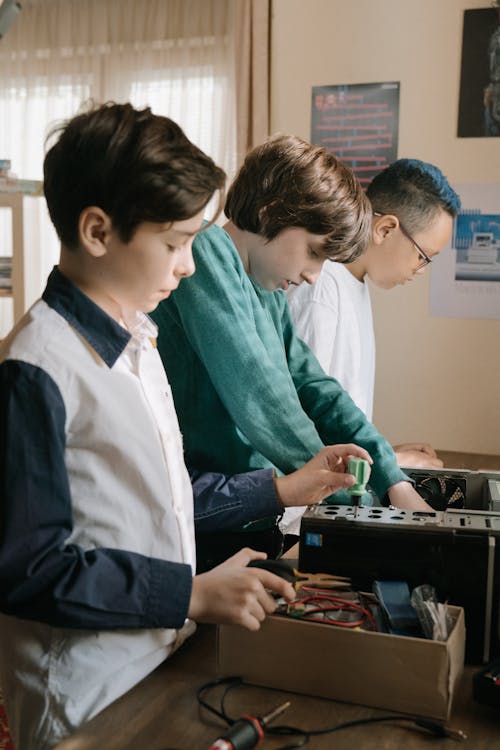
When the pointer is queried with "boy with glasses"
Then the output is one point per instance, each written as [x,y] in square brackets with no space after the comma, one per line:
[413,211]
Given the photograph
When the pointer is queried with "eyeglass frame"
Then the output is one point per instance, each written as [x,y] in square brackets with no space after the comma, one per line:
[425,260]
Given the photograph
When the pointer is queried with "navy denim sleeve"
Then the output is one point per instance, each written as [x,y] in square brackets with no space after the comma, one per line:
[42,576]
[223,502]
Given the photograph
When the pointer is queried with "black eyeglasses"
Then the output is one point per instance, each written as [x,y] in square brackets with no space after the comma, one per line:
[424,258]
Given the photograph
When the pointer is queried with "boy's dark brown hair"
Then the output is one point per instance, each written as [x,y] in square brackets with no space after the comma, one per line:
[287,182]
[134,165]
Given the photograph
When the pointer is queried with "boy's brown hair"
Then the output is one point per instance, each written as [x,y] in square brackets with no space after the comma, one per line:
[287,182]
[134,165]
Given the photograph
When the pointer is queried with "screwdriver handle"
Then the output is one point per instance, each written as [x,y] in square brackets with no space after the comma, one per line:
[244,734]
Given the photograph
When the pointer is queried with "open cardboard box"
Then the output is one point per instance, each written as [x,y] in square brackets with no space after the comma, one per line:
[411,675]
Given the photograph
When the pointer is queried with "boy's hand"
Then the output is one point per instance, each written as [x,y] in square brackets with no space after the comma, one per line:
[417,455]
[403,495]
[233,594]
[321,476]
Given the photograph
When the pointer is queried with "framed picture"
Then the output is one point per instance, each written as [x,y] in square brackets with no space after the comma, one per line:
[479,104]
[358,123]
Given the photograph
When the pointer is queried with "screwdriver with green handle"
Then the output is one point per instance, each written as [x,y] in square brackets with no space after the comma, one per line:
[360,469]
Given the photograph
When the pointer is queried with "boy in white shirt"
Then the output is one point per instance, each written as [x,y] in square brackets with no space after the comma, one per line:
[97,548]
[413,206]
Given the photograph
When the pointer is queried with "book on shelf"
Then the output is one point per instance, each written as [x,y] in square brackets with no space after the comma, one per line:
[5,274]
[5,167]
[16,185]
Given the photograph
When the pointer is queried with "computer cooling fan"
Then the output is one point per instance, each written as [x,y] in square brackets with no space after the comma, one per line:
[442,492]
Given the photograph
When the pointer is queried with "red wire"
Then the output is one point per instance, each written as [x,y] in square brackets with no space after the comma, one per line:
[345,604]
[339,623]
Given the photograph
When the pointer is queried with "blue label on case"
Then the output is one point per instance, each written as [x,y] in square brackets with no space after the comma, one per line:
[314,540]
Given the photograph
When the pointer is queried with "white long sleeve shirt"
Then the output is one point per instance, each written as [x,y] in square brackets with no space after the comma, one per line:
[334,318]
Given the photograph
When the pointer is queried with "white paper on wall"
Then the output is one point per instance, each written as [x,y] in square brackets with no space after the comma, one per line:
[465,277]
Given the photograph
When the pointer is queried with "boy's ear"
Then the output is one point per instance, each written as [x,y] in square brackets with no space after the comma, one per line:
[94,229]
[383,227]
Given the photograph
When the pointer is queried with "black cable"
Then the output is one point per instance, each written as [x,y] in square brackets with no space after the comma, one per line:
[435,727]
[229,687]
[231,682]
[304,735]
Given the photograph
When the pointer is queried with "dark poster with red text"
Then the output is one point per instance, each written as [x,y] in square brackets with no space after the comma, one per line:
[359,124]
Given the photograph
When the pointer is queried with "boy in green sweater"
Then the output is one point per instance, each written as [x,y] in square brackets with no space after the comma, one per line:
[248,392]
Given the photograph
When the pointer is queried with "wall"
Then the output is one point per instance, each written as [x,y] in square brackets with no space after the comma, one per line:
[438,379]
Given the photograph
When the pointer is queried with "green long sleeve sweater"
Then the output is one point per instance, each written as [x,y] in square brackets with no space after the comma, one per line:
[249,393]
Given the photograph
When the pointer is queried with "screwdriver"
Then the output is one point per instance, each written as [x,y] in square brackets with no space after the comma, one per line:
[360,469]
[248,731]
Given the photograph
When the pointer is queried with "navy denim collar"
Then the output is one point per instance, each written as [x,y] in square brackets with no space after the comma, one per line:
[104,334]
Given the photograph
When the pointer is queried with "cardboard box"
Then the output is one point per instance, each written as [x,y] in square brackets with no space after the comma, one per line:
[411,675]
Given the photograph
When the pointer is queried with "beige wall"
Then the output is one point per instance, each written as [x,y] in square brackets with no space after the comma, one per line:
[438,379]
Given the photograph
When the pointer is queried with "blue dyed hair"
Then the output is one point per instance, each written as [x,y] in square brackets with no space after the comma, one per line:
[414,191]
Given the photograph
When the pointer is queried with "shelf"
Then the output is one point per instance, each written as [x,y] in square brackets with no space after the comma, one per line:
[24,187]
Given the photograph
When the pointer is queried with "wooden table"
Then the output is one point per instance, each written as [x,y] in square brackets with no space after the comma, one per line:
[161,713]
[472,461]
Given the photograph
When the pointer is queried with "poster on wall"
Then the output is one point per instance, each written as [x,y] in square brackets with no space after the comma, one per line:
[359,124]
[479,104]
[465,278]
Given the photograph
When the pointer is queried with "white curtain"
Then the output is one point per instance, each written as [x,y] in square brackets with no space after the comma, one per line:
[177,56]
